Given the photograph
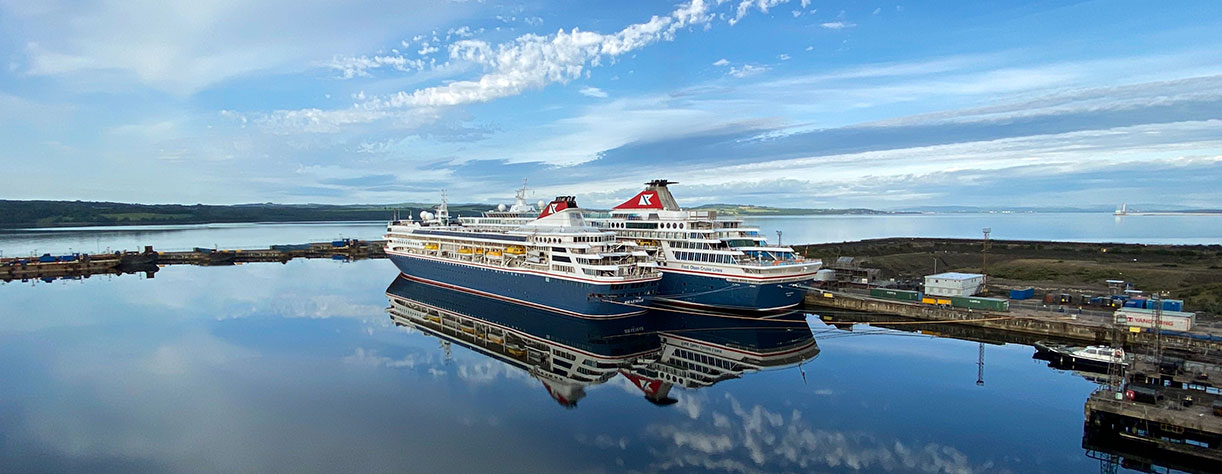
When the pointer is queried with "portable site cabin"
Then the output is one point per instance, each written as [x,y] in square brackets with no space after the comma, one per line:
[953,284]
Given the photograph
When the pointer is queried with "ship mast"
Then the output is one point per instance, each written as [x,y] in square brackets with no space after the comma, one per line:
[443,212]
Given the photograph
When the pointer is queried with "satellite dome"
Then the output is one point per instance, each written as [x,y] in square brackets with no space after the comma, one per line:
[541,203]
[500,207]
[426,215]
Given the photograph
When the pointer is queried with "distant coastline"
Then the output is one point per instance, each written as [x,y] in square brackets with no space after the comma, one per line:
[56,214]
[52,214]
[1169,213]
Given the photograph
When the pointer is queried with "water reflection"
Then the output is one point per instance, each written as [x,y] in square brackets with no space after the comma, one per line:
[655,351]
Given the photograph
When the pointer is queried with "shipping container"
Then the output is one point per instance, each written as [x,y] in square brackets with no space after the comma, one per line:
[1144,318]
[1135,303]
[975,302]
[290,247]
[1173,305]
[903,295]
[1022,294]
[47,258]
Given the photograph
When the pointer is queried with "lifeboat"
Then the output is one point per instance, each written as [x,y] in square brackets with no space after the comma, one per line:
[430,246]
[515,250]
[494,253]
[465,251]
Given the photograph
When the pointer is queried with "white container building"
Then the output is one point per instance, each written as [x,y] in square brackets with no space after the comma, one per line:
[953,284]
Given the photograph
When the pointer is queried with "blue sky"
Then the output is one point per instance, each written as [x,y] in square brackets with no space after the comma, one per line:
[789,103]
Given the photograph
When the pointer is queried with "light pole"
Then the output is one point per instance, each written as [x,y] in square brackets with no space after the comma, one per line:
[985,264]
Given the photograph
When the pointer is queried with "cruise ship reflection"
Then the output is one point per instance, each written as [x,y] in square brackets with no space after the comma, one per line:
[655,351]
[699,350]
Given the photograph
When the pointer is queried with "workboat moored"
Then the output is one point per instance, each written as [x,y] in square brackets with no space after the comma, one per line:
[1077,357]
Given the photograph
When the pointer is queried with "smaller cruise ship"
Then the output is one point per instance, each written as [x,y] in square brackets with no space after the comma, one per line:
[555,262]
[706,261]
[708,350]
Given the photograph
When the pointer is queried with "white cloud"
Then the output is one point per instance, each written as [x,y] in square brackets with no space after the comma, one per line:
[805,3]
[593,92]
[182,47]
[837,25]
[763,5]
[530,61]
[877,11]
[746,70]
[721,62]
[351,67]
[783,57]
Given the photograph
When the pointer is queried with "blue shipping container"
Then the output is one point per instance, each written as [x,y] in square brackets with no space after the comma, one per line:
[1173,305]
[1022,294]
[1135,304]
[47,258]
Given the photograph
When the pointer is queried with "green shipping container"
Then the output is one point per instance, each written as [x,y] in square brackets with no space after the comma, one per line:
[976,302]
[903,295]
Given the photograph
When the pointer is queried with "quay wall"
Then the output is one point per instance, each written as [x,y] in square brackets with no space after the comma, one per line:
[1057,328]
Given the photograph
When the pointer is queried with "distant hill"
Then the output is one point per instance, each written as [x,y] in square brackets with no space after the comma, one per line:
[86,213]
[749,210]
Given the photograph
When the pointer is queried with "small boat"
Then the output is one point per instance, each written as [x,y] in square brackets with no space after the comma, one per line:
[1099,357]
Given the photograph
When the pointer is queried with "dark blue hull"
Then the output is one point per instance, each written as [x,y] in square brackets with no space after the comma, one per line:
[604,337]
[569,297]
[718,294]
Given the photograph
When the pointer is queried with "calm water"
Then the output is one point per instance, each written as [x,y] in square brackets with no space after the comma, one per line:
[298,368]
[1097,227]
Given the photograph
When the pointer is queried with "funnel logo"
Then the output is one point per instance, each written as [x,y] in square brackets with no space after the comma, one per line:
[644,200]
[551,208]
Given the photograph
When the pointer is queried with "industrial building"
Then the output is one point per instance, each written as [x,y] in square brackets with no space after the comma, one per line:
[953,284]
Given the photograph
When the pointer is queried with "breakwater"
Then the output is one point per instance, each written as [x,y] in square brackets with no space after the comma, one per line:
[150,260]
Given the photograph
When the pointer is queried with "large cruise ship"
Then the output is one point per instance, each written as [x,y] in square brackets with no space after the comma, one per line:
[707,261]
[555,262]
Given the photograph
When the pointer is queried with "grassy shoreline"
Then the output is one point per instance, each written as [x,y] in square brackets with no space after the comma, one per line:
[1189,272]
